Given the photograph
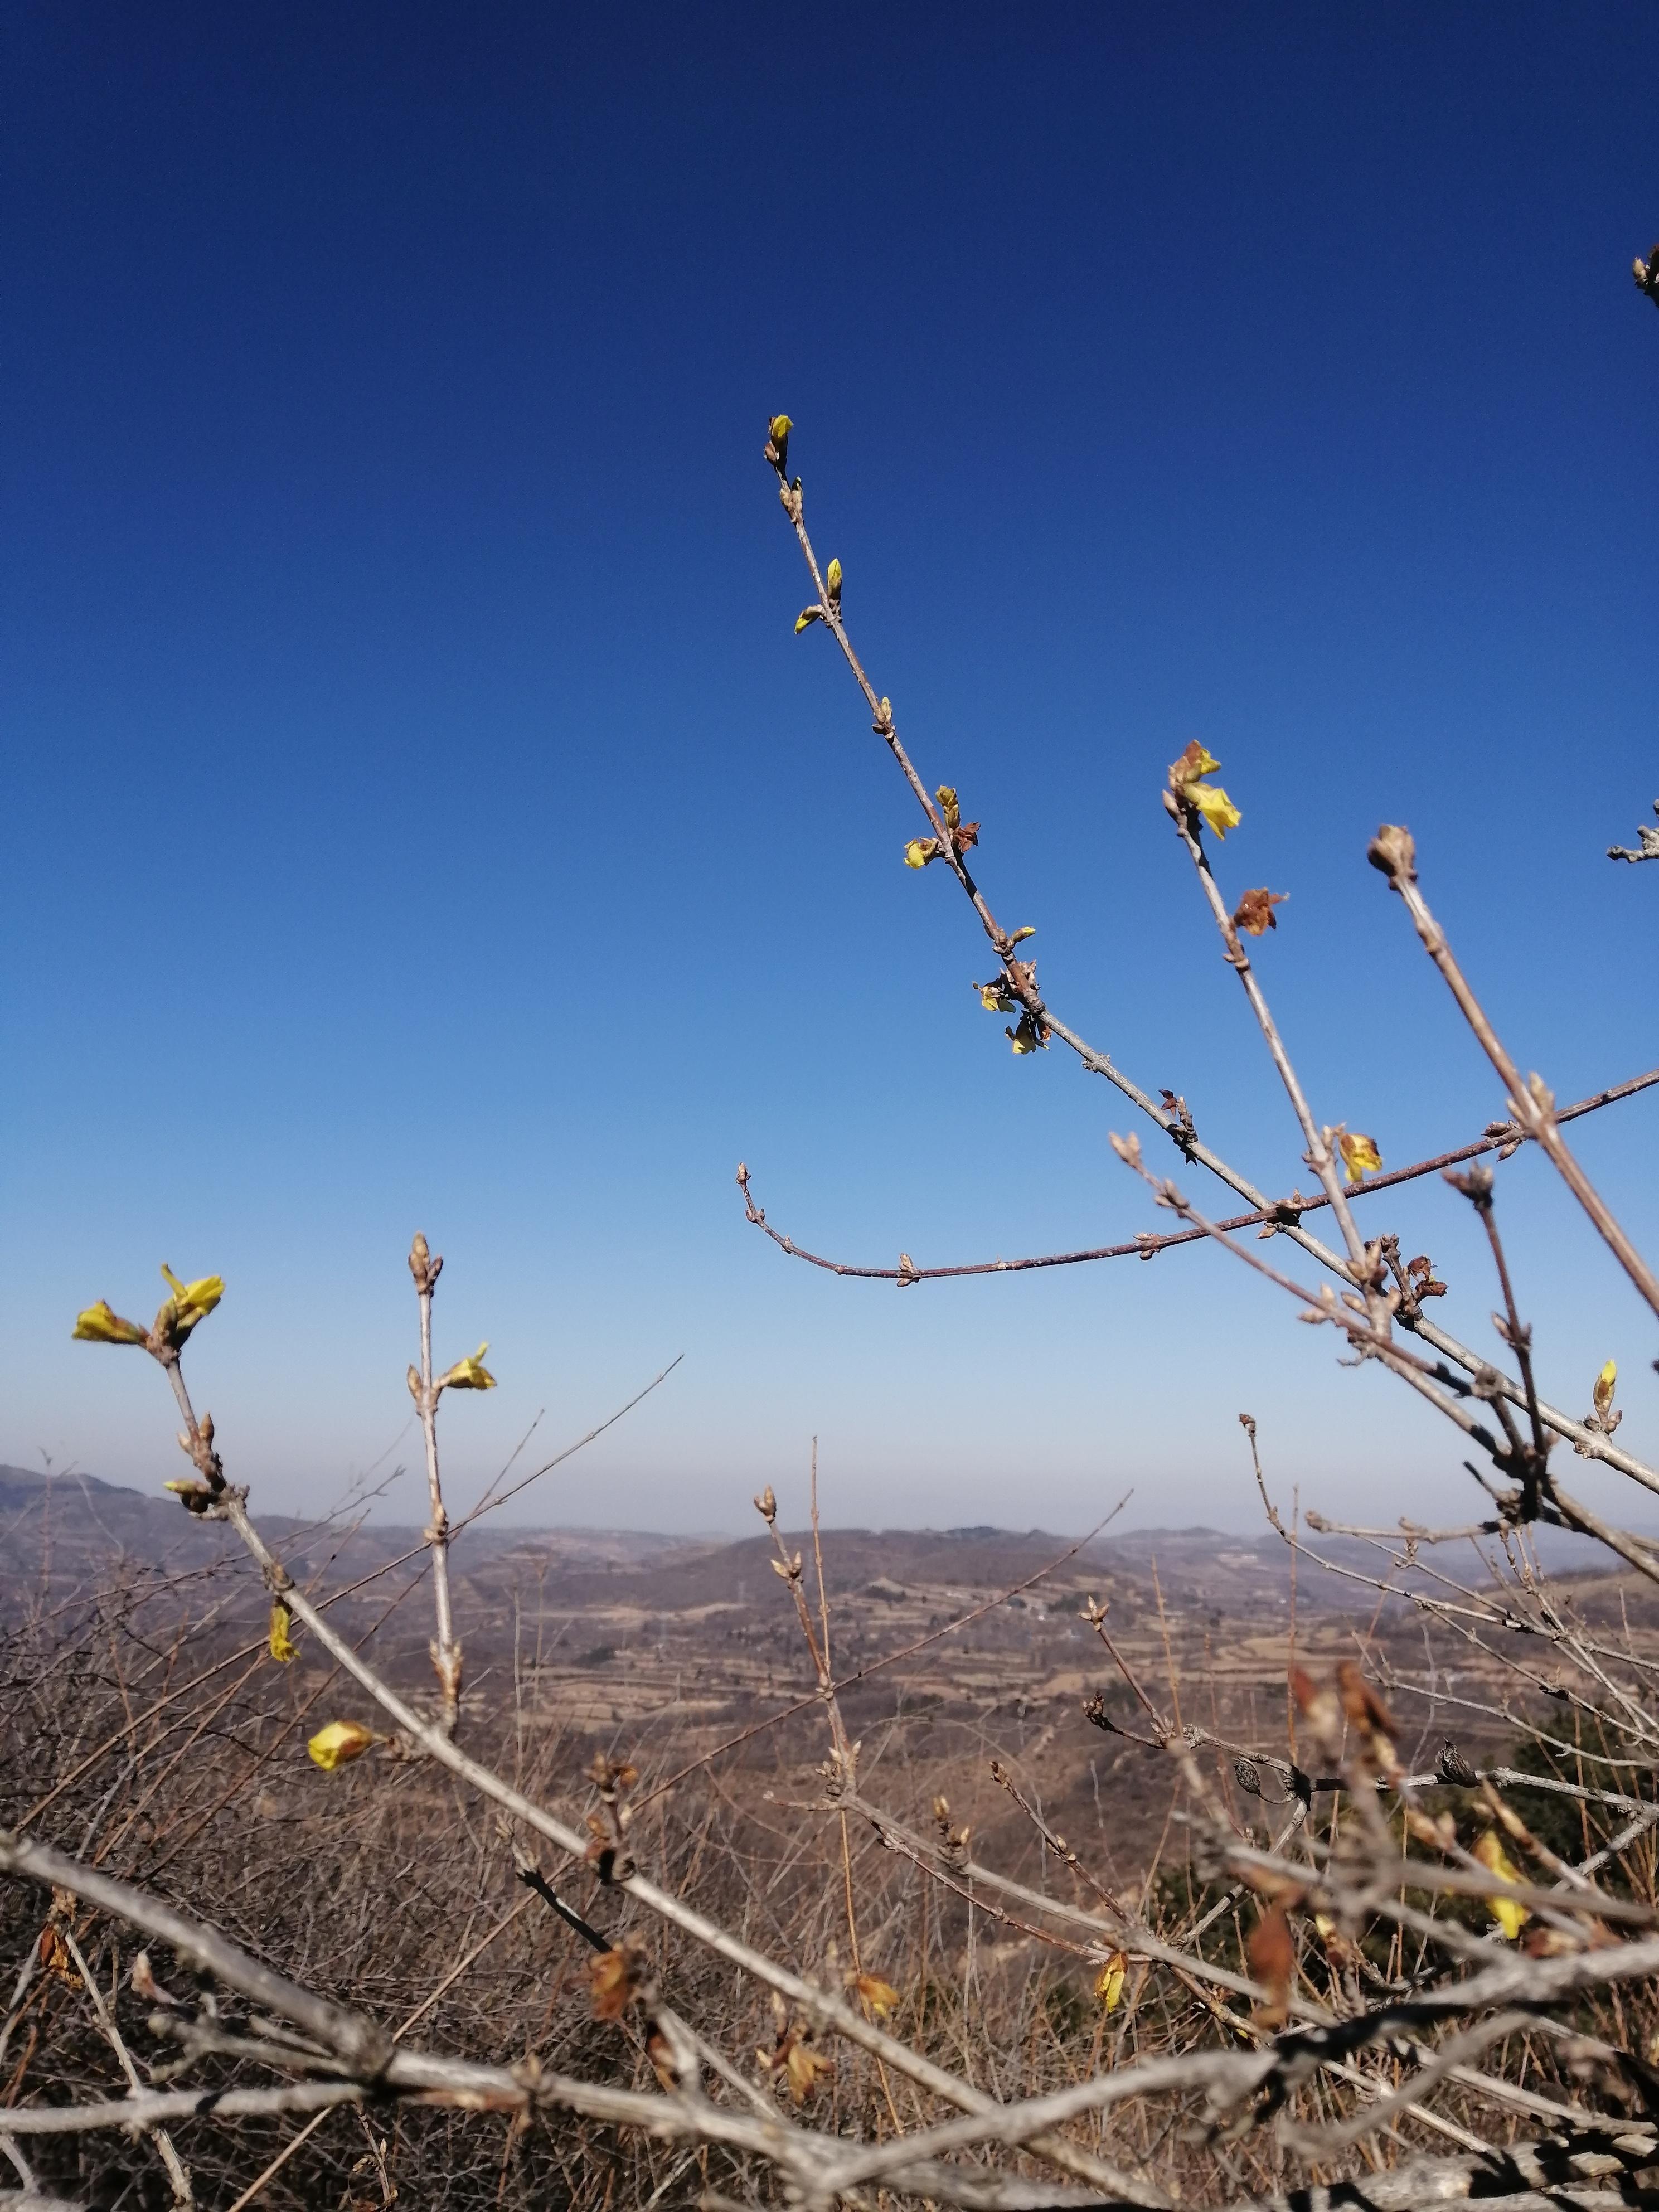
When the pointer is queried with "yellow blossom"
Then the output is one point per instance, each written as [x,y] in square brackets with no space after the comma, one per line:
[1108,1984]
[1209,801]
[189,1302]
[1495,1860]
[1213,804]
[832,582]
[1604,1389]
[920,851]
[777,431]
[469,1373]
[97,1325]
[282,1640]
[340,1741]
[1359,1154]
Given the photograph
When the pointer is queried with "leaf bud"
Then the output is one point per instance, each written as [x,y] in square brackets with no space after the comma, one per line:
[99,1325]
[1394,850]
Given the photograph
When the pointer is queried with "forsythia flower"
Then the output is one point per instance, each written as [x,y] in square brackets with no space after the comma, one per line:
[340,1741]
[1109,1984]
[777,431]
[1213,804]
[469,1373]
[1495,1860]
[97,1325]
[1359,1155]
[193,1302]
[832,582]
[1207,799]
[282,1639]
[920,851]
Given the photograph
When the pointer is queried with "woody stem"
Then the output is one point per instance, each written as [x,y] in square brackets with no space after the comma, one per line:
[446,1651]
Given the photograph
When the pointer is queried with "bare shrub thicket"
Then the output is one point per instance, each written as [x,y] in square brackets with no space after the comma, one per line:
[509,1964]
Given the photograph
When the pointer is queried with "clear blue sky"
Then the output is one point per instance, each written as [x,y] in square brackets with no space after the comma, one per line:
[418,810]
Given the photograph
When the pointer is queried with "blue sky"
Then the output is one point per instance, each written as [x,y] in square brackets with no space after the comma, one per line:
[421,813]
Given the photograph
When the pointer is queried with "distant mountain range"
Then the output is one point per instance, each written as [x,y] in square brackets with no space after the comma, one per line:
[77,1527]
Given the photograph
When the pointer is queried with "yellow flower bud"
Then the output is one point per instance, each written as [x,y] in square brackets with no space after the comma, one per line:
[1605,1383]
[469,1373]
[97,1325]
[807,617]
[338,1743]
[832,582]
[920,851]
[281,1638]
[777,441]
[1109,1984]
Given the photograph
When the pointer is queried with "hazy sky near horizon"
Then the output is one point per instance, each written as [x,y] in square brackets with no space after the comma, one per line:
[419,811]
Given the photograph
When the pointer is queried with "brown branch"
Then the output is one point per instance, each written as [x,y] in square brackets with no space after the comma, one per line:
[1392,850]
[1500,1137]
